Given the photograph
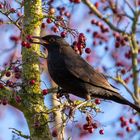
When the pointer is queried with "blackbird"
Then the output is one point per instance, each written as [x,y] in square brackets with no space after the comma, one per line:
[73,74]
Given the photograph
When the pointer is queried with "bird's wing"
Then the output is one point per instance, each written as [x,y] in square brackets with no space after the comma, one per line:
[78,67]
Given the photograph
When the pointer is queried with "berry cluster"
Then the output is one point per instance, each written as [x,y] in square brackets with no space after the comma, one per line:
[100,25]
[79,45]
[128,123]
[90,126]
[120,40]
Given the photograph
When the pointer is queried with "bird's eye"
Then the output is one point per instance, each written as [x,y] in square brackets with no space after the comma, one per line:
[51,40]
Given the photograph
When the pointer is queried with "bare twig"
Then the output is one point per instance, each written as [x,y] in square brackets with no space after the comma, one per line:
[100,16]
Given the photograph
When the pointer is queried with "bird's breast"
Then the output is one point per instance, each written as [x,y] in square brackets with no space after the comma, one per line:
[56,67]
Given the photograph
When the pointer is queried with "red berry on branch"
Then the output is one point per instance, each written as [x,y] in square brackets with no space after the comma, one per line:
[29,37]
[85,126]
[76,1]
[14,38]
[18,99]
[28,45]
[1,86]
[55,29]
[10,83]
[8,73]
[132,121]
[97,5]
[101,131]
[97,101]
[124,123]
[54,133]
[1,6]
[32,82]
[90,130]
[17,75]
[4,101]
[19,14]
[44,91]
[123,71]
[88,50]
[122,118]
[24,43]
[128,129]
[16,69]
[43,25]
[49,20]
[63,34]
[12,10]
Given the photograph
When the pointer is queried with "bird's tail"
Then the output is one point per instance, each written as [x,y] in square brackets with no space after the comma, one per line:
[120,99]
[116,97]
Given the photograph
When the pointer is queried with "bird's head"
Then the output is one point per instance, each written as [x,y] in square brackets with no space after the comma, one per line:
[50,42]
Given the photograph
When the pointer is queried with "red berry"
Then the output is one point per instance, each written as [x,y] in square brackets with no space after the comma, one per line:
[37,124]
[128,129]
[10,83]
[29,37]
[131,120]
[90,130]
[5,101]
[8,73]
[101,131]
[54,133]
[85,126]
[44,91]
[19,14]
[12,10]
[123,71]
[124,123]
[14,38]
[67,14]
[1,6]
[32,82]
[93,21]
[43,25]
[76,1]
[117,44]
[28,45]
[24,43]
[49,20]
[16,69]
[1,86]
[17,75]
[97,5]
[18,99]
[88,50]
[63,34]
[97,101]
[122,118]
[55,29]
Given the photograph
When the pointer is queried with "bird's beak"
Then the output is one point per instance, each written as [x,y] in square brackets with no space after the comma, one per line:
[41,41]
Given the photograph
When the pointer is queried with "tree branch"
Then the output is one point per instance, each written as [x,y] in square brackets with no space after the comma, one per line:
[100,16]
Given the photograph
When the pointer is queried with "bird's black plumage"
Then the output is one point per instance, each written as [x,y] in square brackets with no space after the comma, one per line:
[71,72]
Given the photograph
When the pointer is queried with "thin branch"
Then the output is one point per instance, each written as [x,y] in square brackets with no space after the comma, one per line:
[120,81]
[99,15]
[130,6]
